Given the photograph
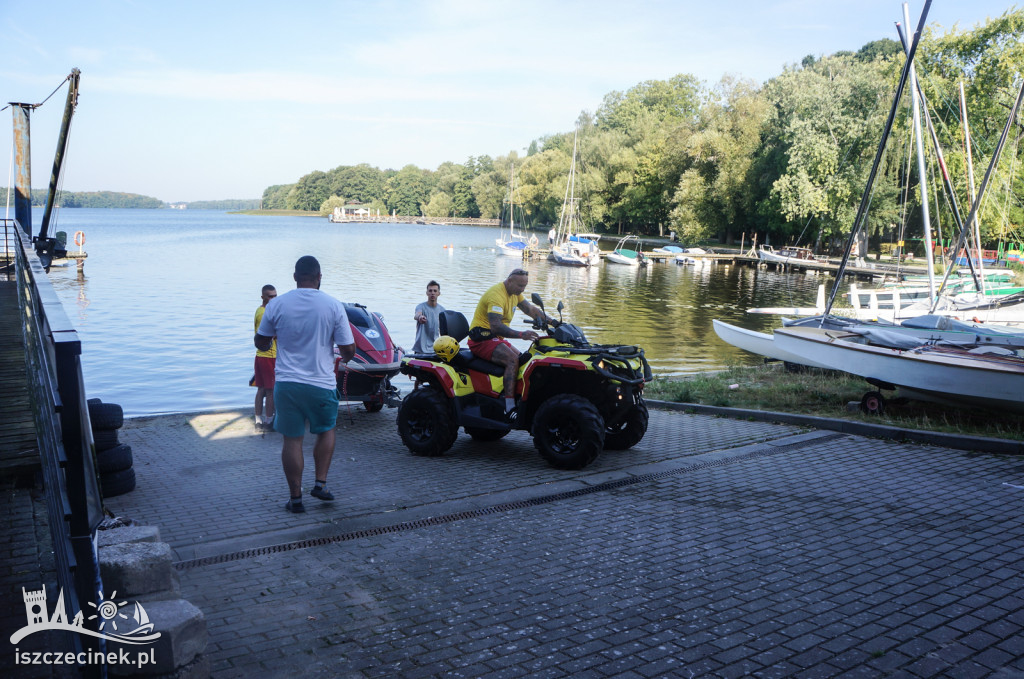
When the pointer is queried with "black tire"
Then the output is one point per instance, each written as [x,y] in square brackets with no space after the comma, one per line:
[93,401]
[568,431]
[105,439]
[481,434]
[106,416]
[114,459]
[873,403]
[373,406]
[425,423]
[117,483]
[629,431]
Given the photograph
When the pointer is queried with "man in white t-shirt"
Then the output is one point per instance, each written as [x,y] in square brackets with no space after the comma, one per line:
[307,324]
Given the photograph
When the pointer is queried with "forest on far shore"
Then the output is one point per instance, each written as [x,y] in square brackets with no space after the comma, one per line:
[787,160]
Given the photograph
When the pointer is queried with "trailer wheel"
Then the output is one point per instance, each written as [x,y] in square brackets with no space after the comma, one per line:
[873,403]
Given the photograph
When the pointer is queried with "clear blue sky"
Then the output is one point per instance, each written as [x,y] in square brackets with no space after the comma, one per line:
[209,100]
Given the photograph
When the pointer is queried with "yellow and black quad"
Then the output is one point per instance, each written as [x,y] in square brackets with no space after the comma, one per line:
[573,397]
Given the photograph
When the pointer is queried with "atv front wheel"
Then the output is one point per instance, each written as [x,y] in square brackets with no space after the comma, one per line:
[568,431]
[481,434]
[629,431]
[425,423]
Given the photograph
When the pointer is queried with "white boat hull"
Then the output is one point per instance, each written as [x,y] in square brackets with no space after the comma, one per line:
[759,343]
[947,376]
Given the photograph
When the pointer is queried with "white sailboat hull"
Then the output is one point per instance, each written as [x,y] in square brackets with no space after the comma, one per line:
[759,343]
[948,376]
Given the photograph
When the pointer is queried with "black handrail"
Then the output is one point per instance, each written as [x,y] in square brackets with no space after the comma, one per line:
[64,436]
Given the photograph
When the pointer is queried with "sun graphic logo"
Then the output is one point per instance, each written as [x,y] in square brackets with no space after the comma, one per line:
[135,626]
[108,611]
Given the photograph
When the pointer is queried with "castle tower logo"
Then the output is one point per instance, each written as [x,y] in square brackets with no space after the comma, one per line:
[117,621]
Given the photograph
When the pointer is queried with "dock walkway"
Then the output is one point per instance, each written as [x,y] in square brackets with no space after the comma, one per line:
[19,451]
[717,547]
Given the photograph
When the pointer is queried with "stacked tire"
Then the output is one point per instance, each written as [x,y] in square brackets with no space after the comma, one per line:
[113,458]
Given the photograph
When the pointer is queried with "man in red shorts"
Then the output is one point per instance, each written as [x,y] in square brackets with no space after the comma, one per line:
[263,379]
[490,327]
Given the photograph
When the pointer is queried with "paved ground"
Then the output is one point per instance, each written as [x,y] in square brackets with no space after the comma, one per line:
[717,547]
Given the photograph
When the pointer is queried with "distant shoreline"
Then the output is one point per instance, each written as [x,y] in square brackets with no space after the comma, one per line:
[277,213]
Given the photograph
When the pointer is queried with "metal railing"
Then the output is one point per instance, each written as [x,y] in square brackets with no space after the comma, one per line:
[61,415]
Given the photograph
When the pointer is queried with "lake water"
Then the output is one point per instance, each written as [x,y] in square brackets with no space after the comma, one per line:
[164,306]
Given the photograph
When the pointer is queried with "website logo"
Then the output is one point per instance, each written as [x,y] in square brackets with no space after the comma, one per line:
[117,621]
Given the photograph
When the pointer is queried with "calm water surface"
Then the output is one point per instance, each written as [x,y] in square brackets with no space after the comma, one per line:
[164,306]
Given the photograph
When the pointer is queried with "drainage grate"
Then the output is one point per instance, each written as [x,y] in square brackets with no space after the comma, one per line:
[493,509]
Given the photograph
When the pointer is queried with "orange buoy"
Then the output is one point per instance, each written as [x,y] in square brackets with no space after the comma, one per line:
[79,238]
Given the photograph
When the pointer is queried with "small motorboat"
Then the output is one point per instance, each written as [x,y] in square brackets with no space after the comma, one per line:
[626,256]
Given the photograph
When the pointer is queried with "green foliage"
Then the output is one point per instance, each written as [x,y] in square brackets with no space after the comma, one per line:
[97,199]
[327,207]
[784,161]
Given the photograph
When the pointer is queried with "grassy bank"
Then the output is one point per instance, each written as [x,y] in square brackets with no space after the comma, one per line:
[825,393]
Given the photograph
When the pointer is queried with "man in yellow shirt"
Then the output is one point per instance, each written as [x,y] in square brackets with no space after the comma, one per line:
[490,327]
[265,360]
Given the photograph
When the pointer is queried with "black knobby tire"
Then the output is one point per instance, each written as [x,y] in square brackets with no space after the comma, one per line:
[117,483]
[425,423]
[481,434]
[106,416]
[568,431]
[114,459]
[629,431]
[105,439]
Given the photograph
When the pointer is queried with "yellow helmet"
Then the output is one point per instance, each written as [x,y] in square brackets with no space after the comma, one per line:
[446,347]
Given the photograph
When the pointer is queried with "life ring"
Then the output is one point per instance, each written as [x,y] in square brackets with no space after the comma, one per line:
[533,241]
[79,238]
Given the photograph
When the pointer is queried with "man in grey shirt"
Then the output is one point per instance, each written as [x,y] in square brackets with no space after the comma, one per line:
[426,316]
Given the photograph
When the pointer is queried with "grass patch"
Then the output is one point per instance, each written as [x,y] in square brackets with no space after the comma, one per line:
[825,393]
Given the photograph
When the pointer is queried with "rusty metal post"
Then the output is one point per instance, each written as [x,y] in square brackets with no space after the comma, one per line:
[22,166]
[62,146]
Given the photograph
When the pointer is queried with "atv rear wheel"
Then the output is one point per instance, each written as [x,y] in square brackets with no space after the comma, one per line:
[629,431]
[425,423]
[374,406]
[481,434]
[568,431]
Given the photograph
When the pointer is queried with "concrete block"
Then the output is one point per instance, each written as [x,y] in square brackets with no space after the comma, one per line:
[182,629]
[136,568]
[123,534]
[165,594]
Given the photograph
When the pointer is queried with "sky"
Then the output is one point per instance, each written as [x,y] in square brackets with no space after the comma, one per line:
[188,101]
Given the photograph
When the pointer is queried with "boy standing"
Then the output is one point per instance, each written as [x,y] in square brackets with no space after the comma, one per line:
[426,316]
[263,378]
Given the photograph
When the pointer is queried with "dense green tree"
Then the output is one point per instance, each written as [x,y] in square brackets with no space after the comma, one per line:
[309,192]
[439,205]
[361,183]
[408,191]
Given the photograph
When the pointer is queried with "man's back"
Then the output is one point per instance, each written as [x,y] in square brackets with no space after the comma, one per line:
[308,323]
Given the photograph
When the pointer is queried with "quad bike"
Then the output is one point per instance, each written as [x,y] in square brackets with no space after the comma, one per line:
[367,376]
[573,397]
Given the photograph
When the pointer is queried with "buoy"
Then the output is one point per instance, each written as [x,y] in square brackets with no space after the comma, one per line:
[79,238]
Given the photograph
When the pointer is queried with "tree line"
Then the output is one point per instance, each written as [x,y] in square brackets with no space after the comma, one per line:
[787,160]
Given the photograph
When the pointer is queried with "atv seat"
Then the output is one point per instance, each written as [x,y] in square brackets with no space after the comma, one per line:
[465,361]
[453,324]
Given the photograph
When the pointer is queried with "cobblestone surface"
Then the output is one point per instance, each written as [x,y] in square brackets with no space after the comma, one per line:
[716,548]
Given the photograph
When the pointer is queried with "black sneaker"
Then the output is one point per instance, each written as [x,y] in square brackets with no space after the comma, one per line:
[322,494]
[295,507]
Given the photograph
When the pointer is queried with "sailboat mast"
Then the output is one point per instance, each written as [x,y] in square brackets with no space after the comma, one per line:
[970,187]
[921,171]
[984,181]
[511,197]
[864,199]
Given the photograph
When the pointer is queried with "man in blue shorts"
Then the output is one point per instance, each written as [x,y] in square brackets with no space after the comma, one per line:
[307,324]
